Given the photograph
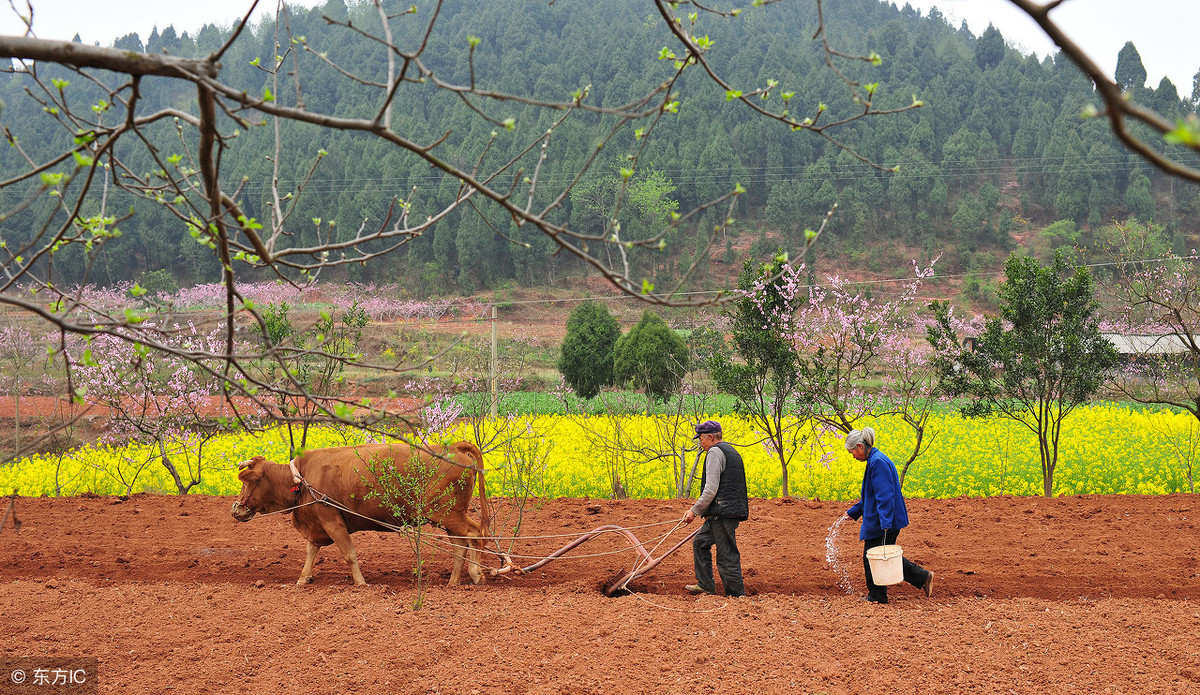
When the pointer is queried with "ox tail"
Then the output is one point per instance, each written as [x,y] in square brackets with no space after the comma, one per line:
[485,517]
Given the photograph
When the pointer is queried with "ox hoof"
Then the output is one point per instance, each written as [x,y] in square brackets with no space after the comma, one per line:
[304,580]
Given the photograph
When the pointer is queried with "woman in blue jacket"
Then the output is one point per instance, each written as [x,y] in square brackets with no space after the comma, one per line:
[882,511]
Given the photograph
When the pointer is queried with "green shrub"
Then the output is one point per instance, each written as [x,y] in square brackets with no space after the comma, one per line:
[159,284]
[651,357]
[587,350]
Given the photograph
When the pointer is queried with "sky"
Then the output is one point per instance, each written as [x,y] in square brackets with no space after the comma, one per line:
[1162,30]
[104,21]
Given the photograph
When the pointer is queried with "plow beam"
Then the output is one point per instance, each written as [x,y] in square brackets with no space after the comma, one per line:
[644,563]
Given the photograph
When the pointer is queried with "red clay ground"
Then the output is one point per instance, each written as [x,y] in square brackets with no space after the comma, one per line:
[1079,594]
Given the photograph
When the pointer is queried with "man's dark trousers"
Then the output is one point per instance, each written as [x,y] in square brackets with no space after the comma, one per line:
[722,533]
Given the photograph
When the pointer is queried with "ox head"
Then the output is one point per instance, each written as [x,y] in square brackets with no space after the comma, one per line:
[253,497]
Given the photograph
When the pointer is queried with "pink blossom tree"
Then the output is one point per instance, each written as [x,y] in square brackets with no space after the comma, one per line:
[19,351]
[766,381]
[842,335]
[1157,319]
[154,396]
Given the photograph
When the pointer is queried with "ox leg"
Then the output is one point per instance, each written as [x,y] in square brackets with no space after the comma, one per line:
[306,575]
[466,547]
[456,573]
[341,538]
[460,553]
[475,552]
[455,528]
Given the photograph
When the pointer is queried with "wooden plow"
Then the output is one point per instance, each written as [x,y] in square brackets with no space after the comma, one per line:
[644,563]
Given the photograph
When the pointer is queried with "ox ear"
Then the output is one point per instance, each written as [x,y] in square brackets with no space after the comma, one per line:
[249,474]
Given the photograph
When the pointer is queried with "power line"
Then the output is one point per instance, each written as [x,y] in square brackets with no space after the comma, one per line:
[945,170]
[856,283]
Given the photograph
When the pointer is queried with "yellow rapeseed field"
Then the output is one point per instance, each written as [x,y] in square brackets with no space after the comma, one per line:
[1105,449]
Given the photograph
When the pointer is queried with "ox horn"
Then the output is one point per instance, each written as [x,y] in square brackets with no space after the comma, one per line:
[245,464]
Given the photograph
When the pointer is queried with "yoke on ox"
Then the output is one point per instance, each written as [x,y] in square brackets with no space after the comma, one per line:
[320,485]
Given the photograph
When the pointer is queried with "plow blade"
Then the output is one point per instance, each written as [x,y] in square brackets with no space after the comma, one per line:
[644,564]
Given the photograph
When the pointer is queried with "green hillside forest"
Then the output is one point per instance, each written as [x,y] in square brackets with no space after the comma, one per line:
[999,155]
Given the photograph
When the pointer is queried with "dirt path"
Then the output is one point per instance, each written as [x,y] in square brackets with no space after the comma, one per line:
[1081,594]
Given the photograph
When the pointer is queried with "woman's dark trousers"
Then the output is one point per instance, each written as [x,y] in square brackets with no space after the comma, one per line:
[721,533]
[913,573]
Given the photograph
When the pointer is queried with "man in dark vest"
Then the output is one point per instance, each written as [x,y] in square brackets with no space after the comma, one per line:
[723,503]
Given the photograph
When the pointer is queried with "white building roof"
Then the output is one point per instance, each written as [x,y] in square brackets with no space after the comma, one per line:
[1148,344]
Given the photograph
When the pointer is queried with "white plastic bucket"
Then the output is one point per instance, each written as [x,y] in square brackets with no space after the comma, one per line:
[887,564]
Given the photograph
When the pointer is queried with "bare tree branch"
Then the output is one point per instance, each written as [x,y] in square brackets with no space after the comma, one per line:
[120,141]
[1118,106]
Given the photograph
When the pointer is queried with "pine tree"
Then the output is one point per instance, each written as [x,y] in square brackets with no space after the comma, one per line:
[989,49]
[1130,72]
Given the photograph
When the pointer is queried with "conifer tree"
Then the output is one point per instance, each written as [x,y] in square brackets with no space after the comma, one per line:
[587,350]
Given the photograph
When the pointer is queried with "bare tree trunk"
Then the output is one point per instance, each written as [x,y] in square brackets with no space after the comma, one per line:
[920,430]
[783,464]
[166,462]
[681,476]
[618,488]
[1047,466]
[58,464]
[687,476]
[17,420]
[11,510]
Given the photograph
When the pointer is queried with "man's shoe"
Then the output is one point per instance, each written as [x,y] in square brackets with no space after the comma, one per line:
[696,589]
[928,587]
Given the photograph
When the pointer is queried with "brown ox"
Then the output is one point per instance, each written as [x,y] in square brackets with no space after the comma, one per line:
[344,475]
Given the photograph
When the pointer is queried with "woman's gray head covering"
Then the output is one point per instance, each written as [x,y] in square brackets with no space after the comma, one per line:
[864,436]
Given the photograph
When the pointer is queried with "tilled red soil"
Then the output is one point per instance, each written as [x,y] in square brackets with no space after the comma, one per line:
[1078,594]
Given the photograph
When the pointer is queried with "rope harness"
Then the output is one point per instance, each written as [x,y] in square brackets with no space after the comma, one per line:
[644,559]
[438,543]
[644,562]
[302,485]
